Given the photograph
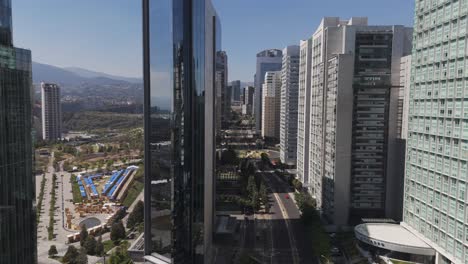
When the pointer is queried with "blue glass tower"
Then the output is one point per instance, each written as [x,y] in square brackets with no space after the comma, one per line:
[17,189]
[180,41]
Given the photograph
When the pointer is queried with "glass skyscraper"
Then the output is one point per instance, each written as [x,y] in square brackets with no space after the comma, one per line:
[435,200]
[17,189]
[180,41]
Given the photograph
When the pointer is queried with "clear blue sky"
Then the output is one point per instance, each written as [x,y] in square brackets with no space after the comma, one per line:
[105,35]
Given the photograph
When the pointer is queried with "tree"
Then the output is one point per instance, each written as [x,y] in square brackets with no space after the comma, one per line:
[90,245]
[119,215]
[136,216]
[229,156]
[120,256]
[117,231]
[251,187]
[53,251]
[83,234]
[72,254]
[264,197]
[82,257]
[255,201]
[265,158]
[99,247]
[297,184]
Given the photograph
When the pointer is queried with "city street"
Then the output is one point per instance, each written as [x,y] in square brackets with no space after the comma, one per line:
[277,237]
[64,199]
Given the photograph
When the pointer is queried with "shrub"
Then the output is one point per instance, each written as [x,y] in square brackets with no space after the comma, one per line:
[90,245]
[53,251]
[117,231]
[136,216]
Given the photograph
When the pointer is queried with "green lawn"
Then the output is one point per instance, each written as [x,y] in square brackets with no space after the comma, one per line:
[41,197]
[76,190]
[133,192]
[108,245]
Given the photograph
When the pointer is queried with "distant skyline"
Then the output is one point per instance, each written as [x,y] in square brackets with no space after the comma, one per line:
[105,35]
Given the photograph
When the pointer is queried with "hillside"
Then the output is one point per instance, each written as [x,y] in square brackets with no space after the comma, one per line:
[88,121]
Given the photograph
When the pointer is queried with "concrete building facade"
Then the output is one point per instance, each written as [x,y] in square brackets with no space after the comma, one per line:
[355,87]
[435,197]
[271,98]
[267,60]
[51,111]
[289,105]
[223,101]
[303,112]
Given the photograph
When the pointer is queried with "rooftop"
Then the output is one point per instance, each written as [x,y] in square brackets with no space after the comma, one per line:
[392,237]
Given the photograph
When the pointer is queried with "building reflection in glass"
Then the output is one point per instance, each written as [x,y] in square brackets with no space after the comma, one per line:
[180,42]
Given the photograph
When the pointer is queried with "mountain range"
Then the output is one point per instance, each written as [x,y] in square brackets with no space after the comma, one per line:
[73,76]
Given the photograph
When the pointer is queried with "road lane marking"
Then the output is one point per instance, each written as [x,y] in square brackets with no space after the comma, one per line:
[292,242]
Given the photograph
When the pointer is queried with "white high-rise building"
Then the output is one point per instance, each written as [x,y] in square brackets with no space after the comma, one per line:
[435,200]
[289,105]
[303,112]
[354,129]
[51,111]
[271,98]
[267,60]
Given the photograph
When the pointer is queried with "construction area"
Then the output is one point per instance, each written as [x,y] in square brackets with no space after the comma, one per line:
[97,189]
[101,197]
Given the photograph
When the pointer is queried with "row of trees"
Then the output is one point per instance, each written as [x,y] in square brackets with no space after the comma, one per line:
[53,200]
[136,216]
[92,246]
[310,216]
[40,198]
[257,196]
[254,189]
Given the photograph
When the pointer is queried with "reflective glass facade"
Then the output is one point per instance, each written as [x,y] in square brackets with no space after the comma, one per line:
[5,23]
[181,38]
[17,189]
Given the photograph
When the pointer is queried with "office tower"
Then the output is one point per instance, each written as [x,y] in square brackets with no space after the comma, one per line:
[180,42]
[247,106]
[236,90]
[17,184]
[51,111]
[303,112]
[355,87]
[435,199]
[221,85]
[271,98]
[227,106]
[267,60]
[289,104]
[6,35]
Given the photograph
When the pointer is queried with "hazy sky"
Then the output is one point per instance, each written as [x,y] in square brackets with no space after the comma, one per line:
[105,35]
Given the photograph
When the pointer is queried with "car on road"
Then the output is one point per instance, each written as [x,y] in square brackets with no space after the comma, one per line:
[286,196]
